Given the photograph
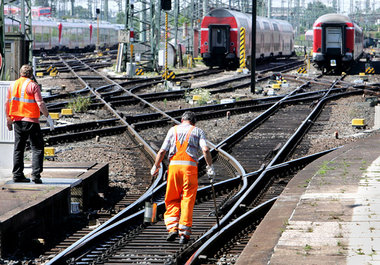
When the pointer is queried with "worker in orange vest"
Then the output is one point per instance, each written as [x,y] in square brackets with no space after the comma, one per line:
[22,107]
[182,144]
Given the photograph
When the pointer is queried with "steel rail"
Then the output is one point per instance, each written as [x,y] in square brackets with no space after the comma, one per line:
[229,231]
[80,243]
[60,257]
[260,182]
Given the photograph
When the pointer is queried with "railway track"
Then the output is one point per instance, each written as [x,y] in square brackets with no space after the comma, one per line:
[125,232]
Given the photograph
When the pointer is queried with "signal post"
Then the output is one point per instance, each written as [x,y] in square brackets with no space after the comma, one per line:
[166,5]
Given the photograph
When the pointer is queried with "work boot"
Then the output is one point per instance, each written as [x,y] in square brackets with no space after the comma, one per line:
[172,236]
[183,239]
[21,179]
[37,181]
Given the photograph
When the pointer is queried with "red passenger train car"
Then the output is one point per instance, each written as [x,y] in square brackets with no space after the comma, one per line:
[220,38]
[337,43]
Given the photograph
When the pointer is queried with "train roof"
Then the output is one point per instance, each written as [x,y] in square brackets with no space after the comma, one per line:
[76,24]
[334,18]
[223,12]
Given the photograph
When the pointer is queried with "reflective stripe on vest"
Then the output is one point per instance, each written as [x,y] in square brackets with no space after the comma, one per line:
[183,162]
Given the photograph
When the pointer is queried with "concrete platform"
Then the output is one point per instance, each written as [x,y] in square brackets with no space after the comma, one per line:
[30,212]
[328,214]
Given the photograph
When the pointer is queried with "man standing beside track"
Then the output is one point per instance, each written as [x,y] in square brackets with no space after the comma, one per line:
[183,143]
[22,108]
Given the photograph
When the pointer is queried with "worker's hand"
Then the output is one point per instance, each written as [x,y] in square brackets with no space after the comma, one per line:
[154,170]
[210,173]
[50,122]
[9,124]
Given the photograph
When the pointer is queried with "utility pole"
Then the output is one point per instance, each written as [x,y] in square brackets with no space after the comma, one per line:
[204,7]
[192,27]
[176,12]
[2,41]
[106,10]
[26,29]
[269,8]
[154,31]
[125,46]
[131,38]
[72,13]
[89,4]
[253,47]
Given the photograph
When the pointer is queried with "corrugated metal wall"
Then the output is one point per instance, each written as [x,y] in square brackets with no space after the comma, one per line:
[5,135]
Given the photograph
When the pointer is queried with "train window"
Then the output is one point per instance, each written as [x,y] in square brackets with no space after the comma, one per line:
[219,36]
[275,27]
[266,25]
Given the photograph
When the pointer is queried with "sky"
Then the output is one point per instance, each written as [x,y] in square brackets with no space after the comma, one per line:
[344,4]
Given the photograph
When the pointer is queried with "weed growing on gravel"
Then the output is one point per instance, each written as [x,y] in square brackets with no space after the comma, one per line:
[359,251]
[203,94]
[165,102]
[307,249]
[80,104]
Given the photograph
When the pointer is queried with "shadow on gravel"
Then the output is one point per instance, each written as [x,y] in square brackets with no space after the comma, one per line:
[360,67]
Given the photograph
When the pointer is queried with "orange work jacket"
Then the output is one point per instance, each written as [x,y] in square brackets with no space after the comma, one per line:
[20,103]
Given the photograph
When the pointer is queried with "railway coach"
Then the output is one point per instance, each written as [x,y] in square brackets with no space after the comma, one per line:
[53,35]
[220,38]
[337,43]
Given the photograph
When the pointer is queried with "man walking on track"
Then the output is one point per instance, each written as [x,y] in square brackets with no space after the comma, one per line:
[22,108]
[183,143]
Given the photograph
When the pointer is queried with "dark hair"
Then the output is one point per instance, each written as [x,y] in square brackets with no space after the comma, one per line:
[26,70]
[189,116]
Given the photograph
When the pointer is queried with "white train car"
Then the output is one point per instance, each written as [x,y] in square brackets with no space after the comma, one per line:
[49,34]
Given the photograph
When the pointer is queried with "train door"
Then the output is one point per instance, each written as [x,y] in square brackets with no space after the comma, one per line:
[334,40]
[219,38]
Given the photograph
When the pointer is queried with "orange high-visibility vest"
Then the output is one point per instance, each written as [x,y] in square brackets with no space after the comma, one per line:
[20,103]
[181,157]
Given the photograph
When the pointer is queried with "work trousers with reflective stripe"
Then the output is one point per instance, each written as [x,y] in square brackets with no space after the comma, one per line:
[180,197]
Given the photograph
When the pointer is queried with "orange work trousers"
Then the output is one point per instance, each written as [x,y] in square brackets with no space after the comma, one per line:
[180,198]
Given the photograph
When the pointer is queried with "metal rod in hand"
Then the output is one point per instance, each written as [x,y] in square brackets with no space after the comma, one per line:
[214,197]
